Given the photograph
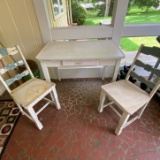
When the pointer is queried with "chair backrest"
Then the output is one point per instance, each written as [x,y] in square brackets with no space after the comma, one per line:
[153,70]
[12,59]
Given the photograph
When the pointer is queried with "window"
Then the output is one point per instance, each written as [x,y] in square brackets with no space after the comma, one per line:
[140,14]
[57,7]
[79,13]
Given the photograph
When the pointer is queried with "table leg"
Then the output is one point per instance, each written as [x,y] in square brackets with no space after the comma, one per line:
[103,72]
[58,70]
[116,70]
[45,71]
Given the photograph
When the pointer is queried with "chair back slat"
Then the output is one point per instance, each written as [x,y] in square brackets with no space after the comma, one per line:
[152,70]
[7,51]
[139,63]
[143,80]
[16,78]
[10,72]
[148,67]
[153,51]
[156,71]
[12,51]
[11,66]
[3,52]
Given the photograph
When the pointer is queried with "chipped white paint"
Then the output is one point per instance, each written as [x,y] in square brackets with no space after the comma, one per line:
[29,93]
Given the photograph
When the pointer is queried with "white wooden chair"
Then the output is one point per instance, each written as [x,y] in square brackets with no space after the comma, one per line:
[129,97]
[28,93]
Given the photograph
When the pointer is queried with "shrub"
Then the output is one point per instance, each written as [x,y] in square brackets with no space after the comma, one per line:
[79,14]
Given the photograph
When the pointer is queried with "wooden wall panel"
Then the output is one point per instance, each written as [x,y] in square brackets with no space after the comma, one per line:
[35,25]
[19,26]
[8,27]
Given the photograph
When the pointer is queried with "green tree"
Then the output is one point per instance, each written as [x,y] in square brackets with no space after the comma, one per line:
[146,4]
[79,14]
[106,10]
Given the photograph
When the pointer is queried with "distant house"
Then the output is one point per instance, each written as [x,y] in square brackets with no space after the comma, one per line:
[99,3]
[87,5]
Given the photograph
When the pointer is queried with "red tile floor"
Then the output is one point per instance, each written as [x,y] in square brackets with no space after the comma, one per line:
[79,132]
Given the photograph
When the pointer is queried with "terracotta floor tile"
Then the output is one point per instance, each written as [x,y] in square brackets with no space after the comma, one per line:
[79,132]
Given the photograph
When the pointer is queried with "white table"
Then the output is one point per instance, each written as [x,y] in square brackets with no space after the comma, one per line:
[80,53]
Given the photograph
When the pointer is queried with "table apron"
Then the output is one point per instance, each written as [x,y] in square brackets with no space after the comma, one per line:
[61,63]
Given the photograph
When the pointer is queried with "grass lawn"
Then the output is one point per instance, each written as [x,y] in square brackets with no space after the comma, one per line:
[134,16]
[133,43]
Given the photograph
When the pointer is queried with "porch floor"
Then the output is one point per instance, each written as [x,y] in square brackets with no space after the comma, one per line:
[79,132]
[129,57]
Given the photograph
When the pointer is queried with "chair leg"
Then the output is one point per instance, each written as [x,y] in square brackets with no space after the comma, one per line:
[20,108]
[102,99]
[122,123]
[141,111]
[54,97]
[35,118]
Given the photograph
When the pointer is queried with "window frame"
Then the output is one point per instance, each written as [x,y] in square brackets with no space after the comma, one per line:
[116,30]
[60,9]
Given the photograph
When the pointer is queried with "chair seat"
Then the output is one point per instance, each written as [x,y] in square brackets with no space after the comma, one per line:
[31,92]
[126,95]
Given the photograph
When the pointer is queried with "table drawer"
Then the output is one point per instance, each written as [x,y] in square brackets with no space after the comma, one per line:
[80,63]
[52,63]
